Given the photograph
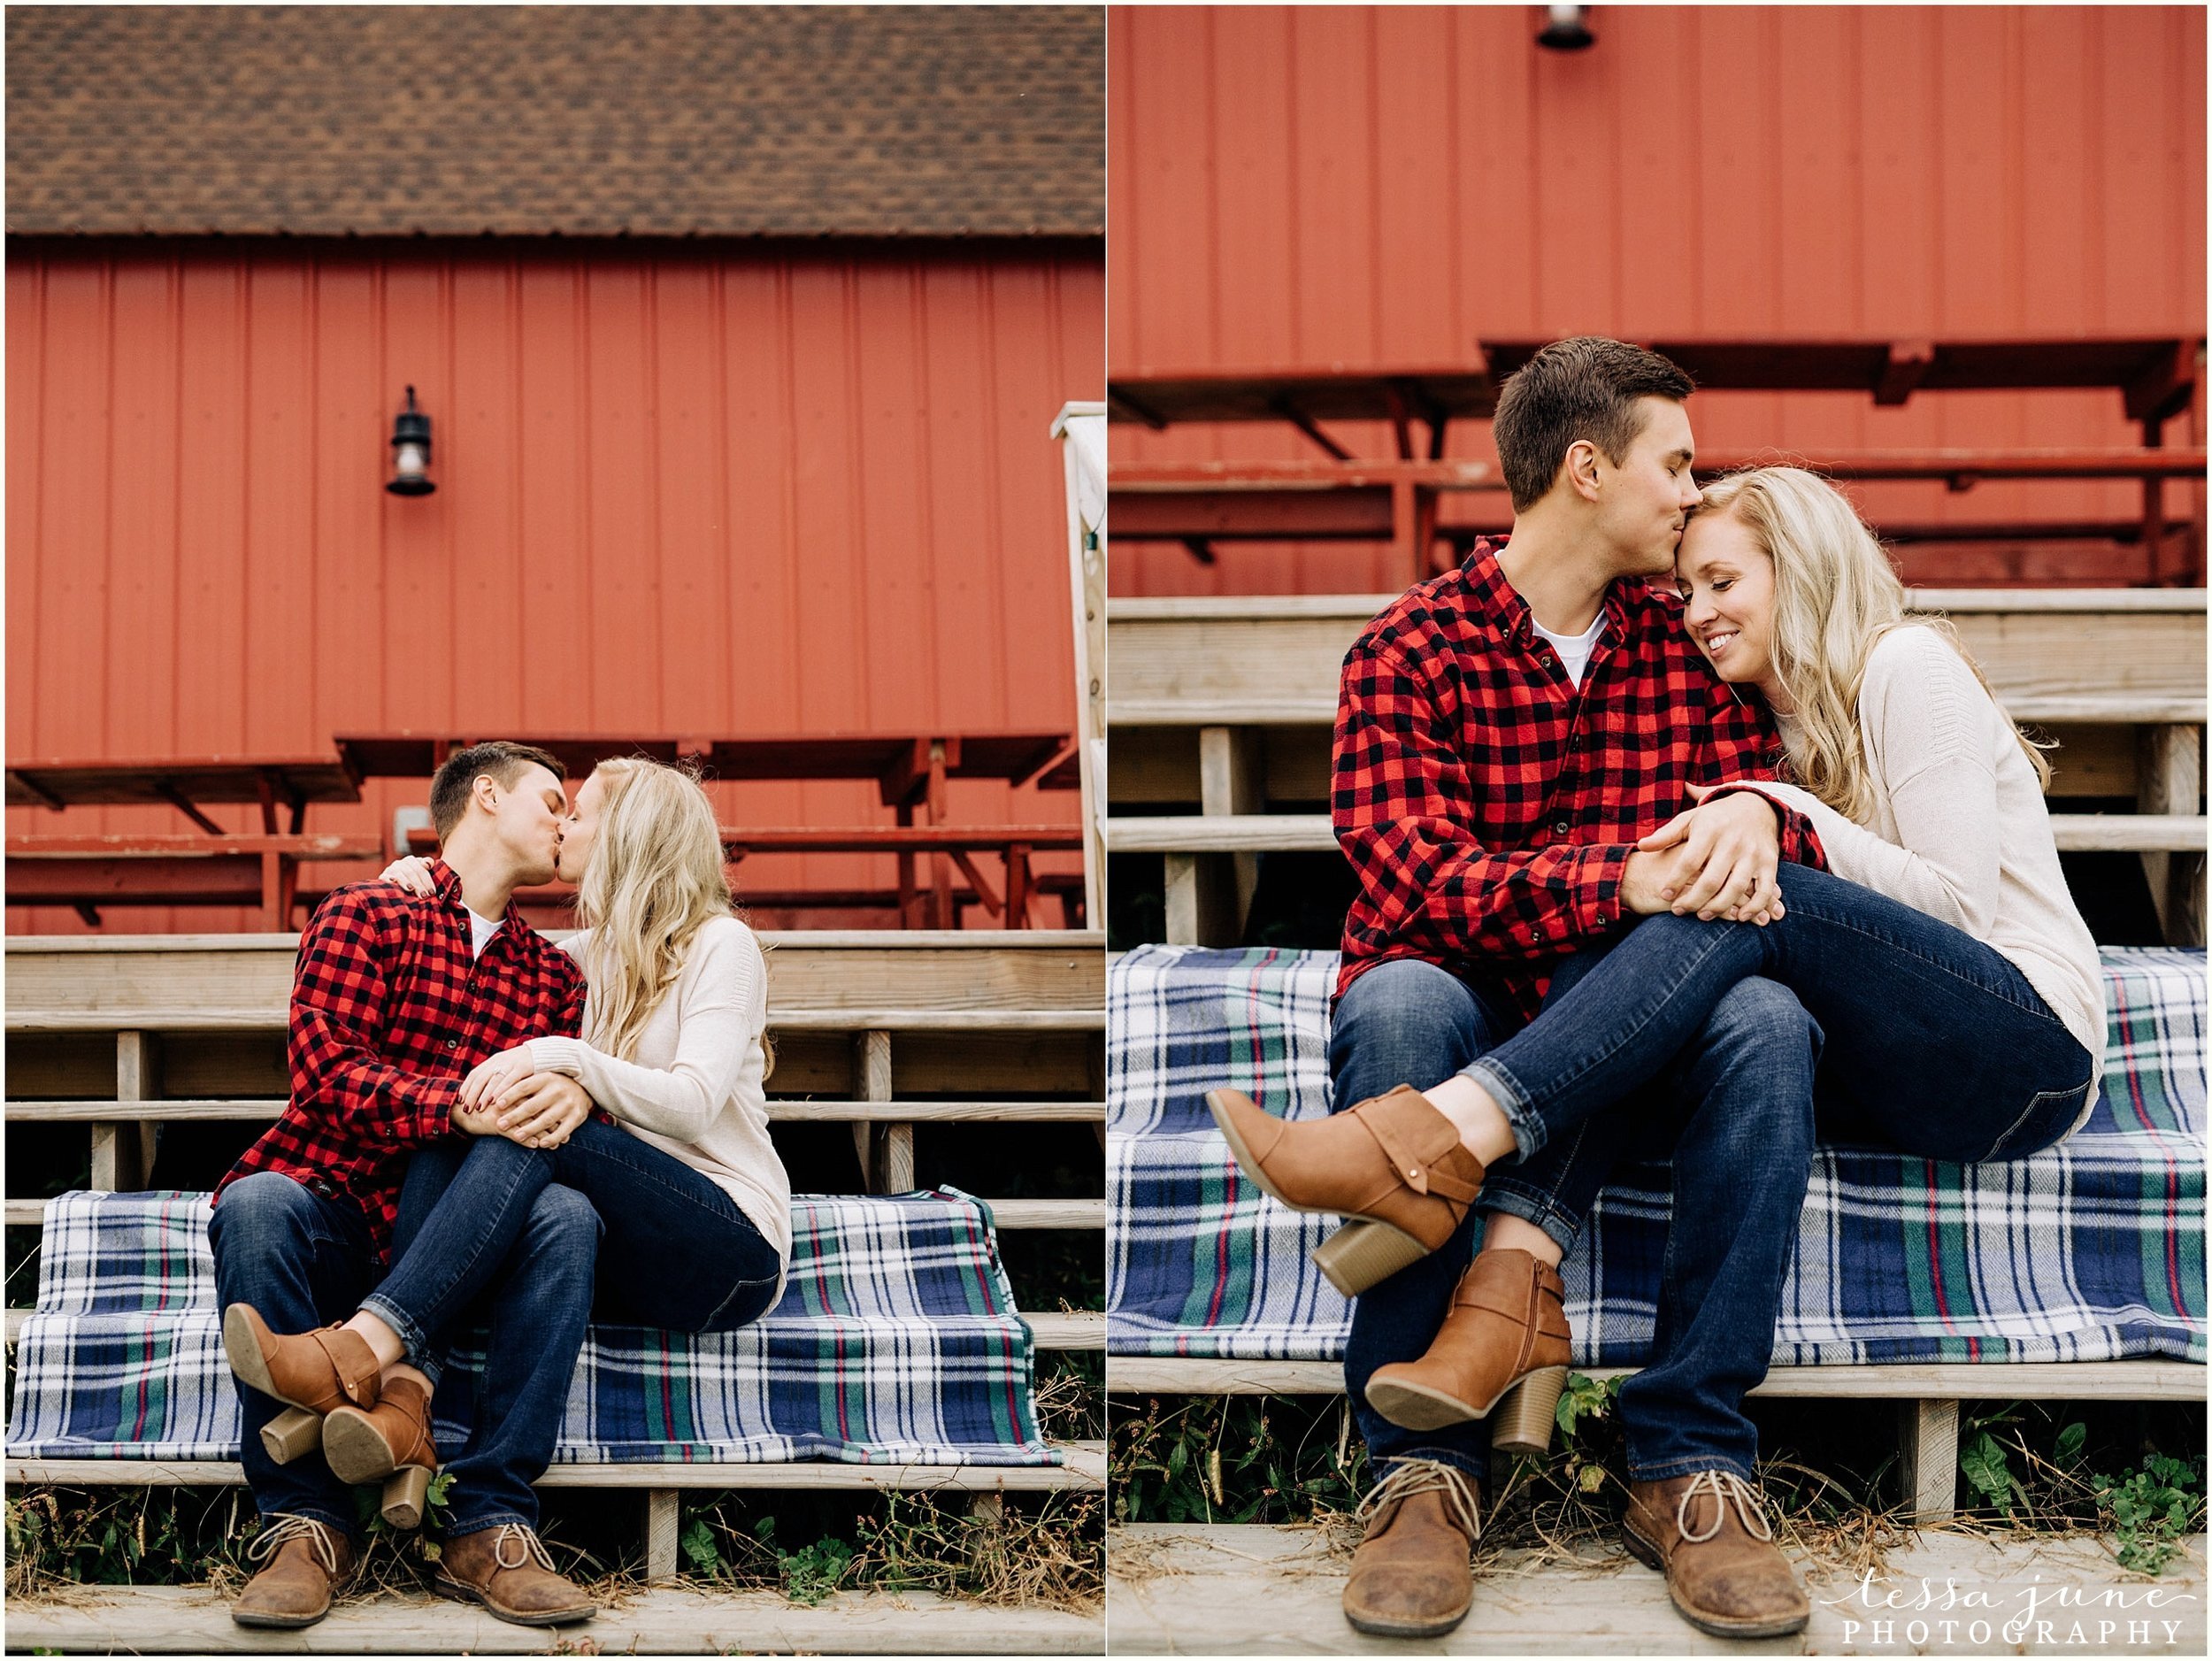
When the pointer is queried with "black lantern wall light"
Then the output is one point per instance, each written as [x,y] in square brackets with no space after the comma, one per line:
[410,451]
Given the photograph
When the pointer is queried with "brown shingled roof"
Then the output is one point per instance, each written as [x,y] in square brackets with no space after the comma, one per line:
[584,120]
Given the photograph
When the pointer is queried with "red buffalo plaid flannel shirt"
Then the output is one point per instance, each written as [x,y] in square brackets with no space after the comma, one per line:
[390,1011]
[1487,806]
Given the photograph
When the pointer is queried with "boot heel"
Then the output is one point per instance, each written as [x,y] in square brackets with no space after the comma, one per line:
[292,1432]
[406,1496]
[1362,1253]
[1522,1422]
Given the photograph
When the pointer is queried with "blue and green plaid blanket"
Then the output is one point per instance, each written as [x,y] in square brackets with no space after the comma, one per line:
[896,1343]
[2091,1251]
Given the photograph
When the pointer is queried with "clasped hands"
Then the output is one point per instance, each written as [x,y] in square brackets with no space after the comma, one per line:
[1717,860]
[508,1096]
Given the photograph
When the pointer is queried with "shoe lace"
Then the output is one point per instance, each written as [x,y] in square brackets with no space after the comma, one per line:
[1408,1477]
[1726,1487]
[531,1548]
[289,1528]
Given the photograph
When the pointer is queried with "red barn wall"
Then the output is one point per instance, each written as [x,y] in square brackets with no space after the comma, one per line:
[1375,186]
[703,491]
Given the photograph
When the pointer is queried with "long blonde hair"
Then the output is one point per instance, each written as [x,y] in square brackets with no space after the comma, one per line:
[655,878]
[1835,596]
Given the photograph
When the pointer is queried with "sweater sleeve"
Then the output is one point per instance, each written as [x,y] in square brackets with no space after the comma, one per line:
[722,1007]
[1922,713]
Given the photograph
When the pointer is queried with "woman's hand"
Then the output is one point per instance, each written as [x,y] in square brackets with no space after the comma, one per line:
[1731,853]
[411,872]
[543,1111]
[488,1080]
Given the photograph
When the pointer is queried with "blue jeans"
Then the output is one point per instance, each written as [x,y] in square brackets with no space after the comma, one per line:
[303,1261]
[1937,1044]
[1734,1103]
[517,1233]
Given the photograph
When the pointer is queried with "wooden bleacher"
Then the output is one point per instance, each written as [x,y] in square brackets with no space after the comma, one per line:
[1227,703]
[888,1033]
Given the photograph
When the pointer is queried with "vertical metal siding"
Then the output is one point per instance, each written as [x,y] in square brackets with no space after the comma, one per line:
[1372,186]
[709,492]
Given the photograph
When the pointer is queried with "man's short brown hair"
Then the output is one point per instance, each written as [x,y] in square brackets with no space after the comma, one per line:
[1586,388]
[503,761]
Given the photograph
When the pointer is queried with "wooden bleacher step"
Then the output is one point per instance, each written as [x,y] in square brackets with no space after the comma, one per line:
[1309,833]
[1252,1589]
[195,1620]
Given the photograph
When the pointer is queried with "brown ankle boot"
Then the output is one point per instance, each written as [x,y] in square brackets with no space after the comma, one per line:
[391,1443]
[1392,1164]
[1413,1575]
[505,1568]
[1505,1336]
[1724,1571]
[306,1562]
[318,1370]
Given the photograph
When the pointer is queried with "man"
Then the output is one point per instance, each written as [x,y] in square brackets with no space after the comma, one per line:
[395,999]
[1507,734]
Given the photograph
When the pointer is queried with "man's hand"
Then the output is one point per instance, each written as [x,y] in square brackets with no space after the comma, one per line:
[543,1111]
[1728,853]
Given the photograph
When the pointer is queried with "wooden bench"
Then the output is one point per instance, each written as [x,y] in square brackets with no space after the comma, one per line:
[884,1032]
[88,871]
[1228,703]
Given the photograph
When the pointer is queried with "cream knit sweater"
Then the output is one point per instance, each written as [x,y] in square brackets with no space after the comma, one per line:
[1958,828]
[695,1091]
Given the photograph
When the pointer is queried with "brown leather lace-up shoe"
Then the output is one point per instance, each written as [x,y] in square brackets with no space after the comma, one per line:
[306,1562]
[391,1443]
[507,1570]
[317,1371]
[1413,1575]
[1392,1162]
[1502,1351]
[1724,1571]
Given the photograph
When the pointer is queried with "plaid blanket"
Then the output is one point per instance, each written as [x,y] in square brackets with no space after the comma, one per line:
[896,1343]
[2091,1251]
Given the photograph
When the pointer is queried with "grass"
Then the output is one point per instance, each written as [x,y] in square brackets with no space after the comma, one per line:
[2132,1472]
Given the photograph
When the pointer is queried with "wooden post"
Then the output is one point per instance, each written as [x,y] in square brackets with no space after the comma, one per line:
[1229,780]
[1182,899]
[1928,1446]
[2171,780]
[1087,593]
[887,1151]
[122,1150]
[660,1534]
[940,865]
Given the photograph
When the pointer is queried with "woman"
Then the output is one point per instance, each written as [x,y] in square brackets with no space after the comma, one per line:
[695,1203]
[1955,984]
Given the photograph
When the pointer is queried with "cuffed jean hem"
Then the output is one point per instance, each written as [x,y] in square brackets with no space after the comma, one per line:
[1688,1464]
[1505,1197]
[461,1526]
[1379,1464]
[345,1526]
[413,1340]
[1528,1128]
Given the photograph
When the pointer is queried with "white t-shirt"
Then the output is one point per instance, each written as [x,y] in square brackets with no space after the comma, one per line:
[1574,649]
[481,929]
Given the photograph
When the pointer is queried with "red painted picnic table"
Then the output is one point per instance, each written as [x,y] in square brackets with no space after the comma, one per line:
[910,770]
[1014,843]
[86,872]
[188,784]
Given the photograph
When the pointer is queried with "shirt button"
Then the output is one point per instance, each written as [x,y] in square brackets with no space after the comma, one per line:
[452,1043]
[1559,827]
